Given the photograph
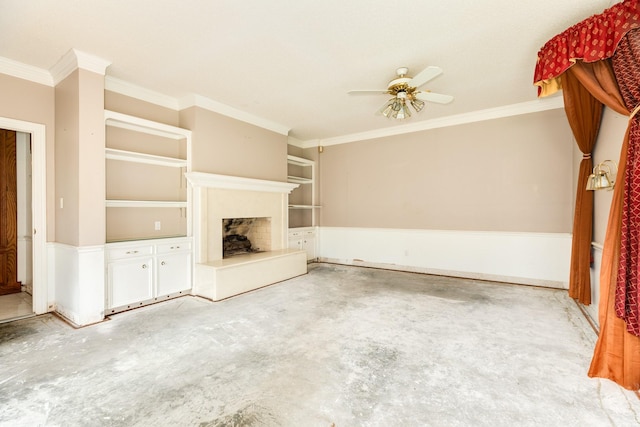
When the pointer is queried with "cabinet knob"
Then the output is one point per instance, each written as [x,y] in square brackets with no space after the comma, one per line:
[163,263]
[144,265]
[132,252]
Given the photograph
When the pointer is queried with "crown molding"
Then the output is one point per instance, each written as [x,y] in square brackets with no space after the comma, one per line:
[25,72]
[122,87]
[536,106]
[75,59]
[296,142]
[225,110]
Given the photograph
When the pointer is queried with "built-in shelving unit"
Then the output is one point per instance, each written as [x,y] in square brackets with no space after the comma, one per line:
[302,205]
[303,197]
[149,245]
[147,194]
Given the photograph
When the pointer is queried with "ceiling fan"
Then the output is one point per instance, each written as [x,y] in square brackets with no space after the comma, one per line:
[404,90]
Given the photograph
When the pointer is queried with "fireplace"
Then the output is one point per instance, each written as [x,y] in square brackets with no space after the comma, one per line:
[241,236]
[255,212]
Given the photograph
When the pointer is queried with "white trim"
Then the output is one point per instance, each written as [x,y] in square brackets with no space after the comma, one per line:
[39,208]
[75,59]
[225,110]
[209,180]
[541,259]
[592,309]
[122,87]
[544,104]
[25,71]
[296,142]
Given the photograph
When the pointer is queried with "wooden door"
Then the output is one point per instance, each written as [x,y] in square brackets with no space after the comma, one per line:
[8,214]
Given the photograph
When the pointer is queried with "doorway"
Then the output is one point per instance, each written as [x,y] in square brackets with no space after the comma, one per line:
[31,265]
[16,285]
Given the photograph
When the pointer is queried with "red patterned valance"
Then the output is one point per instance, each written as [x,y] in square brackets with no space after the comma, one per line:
[591,40]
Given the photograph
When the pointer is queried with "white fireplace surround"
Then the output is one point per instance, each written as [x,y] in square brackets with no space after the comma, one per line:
[220,196]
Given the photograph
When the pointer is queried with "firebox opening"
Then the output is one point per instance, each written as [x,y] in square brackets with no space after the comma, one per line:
[245,236]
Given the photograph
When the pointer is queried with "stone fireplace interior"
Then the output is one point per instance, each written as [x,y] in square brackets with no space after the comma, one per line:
[242,236]
[267,209]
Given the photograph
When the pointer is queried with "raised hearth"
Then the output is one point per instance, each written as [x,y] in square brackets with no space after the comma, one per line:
[217,198]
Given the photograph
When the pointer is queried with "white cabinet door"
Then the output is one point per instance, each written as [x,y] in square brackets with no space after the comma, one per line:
[295,243]
[130,281]
[174,273]
[309,245]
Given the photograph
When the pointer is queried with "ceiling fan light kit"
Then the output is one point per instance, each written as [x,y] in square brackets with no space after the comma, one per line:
[404,91]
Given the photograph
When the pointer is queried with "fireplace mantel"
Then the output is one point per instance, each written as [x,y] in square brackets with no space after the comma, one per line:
[216,197]
[210,180]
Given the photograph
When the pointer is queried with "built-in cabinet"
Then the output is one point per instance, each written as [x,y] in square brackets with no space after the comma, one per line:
[303,238]
[149,247]
[143,272]
[302,205]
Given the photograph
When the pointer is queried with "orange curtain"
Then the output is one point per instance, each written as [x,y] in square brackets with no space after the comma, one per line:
[617,352]
[584,113]
[578,51]
[587,86]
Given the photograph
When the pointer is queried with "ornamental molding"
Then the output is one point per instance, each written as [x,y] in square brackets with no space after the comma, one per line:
[544,104]
[75,59]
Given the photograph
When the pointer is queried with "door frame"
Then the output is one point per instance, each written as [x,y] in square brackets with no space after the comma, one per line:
[38,206]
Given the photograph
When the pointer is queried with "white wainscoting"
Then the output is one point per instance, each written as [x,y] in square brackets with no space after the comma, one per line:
[592,310]
[540,259]
[79,281]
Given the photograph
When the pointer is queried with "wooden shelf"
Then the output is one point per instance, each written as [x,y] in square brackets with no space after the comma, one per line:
[137,124]
[299,180]
[131,156]
[145,204]
[299,161]
[303,207]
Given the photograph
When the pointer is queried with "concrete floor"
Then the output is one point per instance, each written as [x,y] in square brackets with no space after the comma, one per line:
[342,345]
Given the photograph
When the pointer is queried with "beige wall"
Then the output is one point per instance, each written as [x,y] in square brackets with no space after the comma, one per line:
[66,160]
[608,146]
[145,110]
[226,146]
[79,160]
[33,102]
[509,174]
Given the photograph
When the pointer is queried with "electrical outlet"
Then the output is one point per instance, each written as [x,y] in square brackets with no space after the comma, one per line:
[157,225]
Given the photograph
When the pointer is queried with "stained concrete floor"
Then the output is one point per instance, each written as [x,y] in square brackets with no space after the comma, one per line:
[342,345]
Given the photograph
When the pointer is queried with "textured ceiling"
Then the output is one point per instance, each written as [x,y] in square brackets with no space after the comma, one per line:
[292,62]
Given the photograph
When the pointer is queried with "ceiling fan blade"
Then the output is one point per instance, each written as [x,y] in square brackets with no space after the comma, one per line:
[424,76]
[368,92]
[434,97]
